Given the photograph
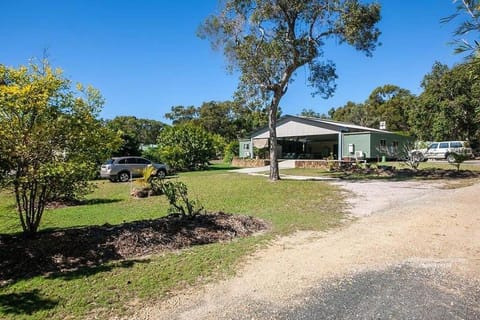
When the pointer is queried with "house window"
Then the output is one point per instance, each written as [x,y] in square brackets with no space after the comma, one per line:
[395,146]
[246,146]
[383,143]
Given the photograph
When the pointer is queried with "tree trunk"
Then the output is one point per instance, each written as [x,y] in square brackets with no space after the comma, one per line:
[272,126]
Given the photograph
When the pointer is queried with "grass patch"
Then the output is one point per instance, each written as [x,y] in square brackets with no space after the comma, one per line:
[117,287]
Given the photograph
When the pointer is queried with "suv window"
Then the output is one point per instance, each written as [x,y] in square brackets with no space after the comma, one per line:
[456,144]
[122,161]
[433,146]
[142,161]
[443,145]
[131,160]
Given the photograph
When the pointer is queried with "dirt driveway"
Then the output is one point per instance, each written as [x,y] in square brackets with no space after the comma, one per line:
[412,251]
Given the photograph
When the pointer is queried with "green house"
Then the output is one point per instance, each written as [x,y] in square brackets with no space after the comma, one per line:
[314,138]
[373,145]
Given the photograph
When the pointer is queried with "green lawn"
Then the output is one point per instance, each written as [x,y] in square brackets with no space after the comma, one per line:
[117,287]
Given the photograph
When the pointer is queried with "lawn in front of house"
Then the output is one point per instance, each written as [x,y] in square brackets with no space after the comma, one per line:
[119,287]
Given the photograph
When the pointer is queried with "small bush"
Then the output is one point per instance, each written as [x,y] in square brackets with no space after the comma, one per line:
[177,195]
[456,159]
[149,184]
[231,151]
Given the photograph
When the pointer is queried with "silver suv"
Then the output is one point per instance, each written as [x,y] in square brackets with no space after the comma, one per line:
[444,150]
[123,168]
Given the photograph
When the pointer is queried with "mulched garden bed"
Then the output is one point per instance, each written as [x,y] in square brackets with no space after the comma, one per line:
[392,172]
[69,249]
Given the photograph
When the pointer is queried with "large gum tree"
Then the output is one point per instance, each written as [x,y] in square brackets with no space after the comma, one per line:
[268,40]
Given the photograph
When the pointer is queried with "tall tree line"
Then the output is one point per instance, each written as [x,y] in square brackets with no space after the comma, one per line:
[447,109]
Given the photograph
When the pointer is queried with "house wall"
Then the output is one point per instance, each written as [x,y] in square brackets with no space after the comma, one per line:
[371,144]
[360,142]
[245,149]
[394,145]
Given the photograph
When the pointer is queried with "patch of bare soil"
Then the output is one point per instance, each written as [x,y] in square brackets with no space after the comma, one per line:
[70,249]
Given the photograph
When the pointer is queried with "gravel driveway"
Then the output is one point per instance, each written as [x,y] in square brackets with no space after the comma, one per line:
[412,252]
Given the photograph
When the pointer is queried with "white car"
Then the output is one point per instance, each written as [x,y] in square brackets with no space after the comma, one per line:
[445,149]
[123,168]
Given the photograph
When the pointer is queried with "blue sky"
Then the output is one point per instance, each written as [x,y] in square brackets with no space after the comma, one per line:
[144,56]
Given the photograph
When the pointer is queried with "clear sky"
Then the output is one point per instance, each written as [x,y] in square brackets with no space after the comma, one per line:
[144,56]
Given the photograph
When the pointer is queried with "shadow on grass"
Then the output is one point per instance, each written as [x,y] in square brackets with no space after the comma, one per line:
[222,168]
[90,271]
[25,303]
[98,201]
[76,252]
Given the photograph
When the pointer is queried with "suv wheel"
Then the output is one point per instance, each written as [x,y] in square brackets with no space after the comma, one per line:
[124,176]
[161,174]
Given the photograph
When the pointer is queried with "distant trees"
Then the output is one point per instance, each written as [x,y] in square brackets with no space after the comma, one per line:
[449,106]
[310,113]
[229,119]
[387,103]
[447,109]
[51,139]
[134,132]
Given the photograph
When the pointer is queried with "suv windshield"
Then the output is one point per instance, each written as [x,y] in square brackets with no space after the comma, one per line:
[109,161]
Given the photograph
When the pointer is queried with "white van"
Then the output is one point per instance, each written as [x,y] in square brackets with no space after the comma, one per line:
[444,150]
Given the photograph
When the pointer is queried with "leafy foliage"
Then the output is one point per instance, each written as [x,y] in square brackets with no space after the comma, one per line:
[470,25]
[51,138]
[267,41]
[135,133]
[449,106]
[456,159]
[148,184]
[186,147]
[231,150]
[177,195]
[387,103]
[229,119]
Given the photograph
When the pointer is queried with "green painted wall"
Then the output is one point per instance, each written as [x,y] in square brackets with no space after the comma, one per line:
[360,141]
[370,142]
[245,149]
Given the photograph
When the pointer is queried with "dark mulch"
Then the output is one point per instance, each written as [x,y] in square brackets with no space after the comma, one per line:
[70,249]
[392,172]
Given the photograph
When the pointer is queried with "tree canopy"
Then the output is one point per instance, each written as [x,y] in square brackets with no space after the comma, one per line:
[469,25]
[449,106]
[267,41]
[186,146]
[134,132]
[388,103]
[51,140]
[229,119]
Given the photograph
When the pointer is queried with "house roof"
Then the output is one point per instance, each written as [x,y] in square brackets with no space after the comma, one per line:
[328,126]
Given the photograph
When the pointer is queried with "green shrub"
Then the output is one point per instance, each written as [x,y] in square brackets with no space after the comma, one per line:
[231,151]
[456,159]
[186,147]
[177,195]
